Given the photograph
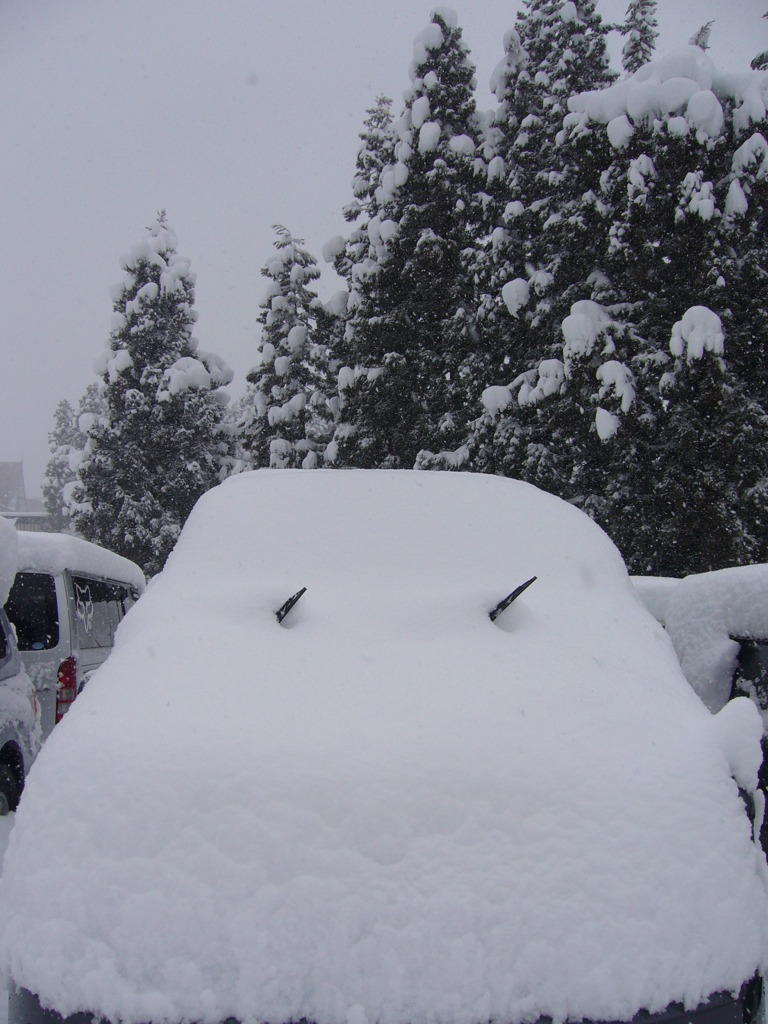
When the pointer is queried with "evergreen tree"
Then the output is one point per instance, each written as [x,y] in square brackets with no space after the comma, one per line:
[67,442]
[62,440]
[640,28]
[286,418]
[701,38]
[159,445]
[543,242]
[738,284]
[760,62]
[410,324]
[698,495]
[656,217]
[375,154]
[687,199]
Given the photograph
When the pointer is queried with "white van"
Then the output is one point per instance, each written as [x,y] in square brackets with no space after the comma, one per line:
[66,602]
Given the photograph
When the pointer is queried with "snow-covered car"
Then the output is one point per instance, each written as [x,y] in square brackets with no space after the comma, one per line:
[388,747]
[67,599]
[718,624]
[19,713]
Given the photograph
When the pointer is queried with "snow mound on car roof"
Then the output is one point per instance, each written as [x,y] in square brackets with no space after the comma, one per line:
[388,809]
[703,613]
[55,552]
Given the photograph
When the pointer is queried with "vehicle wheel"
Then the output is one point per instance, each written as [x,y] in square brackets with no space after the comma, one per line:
[9,790]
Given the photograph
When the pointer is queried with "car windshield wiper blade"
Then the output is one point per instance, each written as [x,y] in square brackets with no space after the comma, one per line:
[503,605]
[284,609]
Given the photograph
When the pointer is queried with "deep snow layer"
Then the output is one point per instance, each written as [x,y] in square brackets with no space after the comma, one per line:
[702,613]
[54,552]
[6,824]
[8,548]
[389,809]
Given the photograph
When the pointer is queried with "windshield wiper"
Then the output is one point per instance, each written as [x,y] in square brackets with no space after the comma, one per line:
[503,605]
[284,609]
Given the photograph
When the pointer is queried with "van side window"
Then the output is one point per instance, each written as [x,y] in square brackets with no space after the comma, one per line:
[91,613]
[114,605]
[32,608]
[751,676]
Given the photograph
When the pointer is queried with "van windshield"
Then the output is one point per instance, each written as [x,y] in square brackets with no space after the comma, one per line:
[32,608]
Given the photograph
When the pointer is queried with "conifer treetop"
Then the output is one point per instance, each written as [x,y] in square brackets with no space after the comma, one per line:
[640,28]
[760,62]
[161,441]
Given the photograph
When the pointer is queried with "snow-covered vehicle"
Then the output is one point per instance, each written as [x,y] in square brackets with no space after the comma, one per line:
[350,762]
[19,719]
[718,624]
[66,602]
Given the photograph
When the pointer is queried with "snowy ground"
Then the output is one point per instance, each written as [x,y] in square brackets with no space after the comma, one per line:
[6,824]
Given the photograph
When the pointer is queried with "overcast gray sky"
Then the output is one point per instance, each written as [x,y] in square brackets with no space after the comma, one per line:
[232,115]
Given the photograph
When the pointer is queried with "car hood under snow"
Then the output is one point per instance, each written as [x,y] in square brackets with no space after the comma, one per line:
[388,808]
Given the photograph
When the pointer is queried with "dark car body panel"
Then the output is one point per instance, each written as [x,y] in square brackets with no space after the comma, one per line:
[722,1008]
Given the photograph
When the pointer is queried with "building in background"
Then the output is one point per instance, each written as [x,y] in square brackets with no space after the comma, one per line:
[26,513]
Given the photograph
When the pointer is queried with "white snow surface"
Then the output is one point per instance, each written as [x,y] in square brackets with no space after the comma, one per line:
[8,550]
[420,109]
[429,136]
[55,552]
[583,328]
[389,809]
[702,613]
[606,424]
[699,331]
[496,398]
[516,294]
[683,83]
[430,38]
[620,131]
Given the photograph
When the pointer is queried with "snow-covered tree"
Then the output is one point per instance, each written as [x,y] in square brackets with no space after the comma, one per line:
[760,62]
[700,38]
[698,496]
[350,255]
[687,193]
[286,420]
[544,222]
[62,439]
[640,29]
[410,324]
[159,444]
[376,152]
[660,231]
[67,443]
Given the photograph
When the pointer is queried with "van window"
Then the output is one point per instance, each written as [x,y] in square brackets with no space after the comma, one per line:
[91,613]
[121,598]
[751,677]
[32,608]
[114,605]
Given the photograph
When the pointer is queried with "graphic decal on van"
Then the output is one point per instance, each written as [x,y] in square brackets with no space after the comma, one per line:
[84,606]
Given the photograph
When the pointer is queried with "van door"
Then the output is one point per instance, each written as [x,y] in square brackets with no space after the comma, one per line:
[37,607]
[93,627]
